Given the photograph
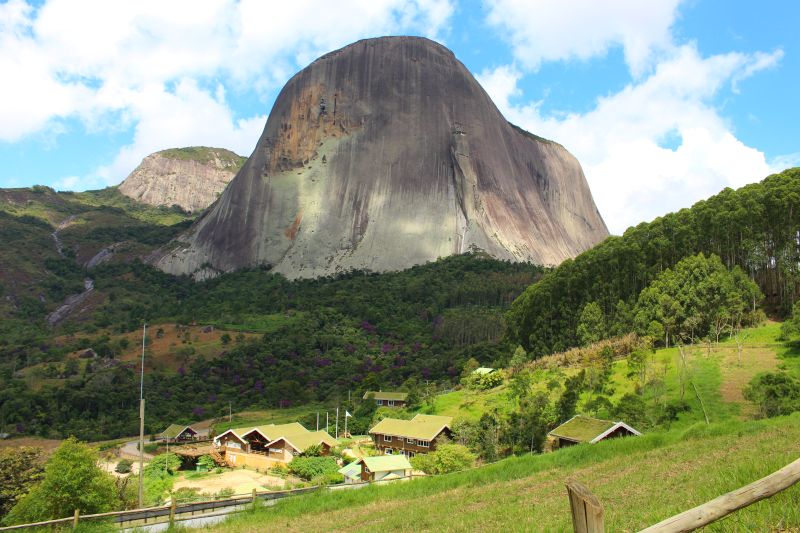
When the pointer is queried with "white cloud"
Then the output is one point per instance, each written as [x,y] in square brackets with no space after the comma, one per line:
[620,142]
[149,63]
[553,30]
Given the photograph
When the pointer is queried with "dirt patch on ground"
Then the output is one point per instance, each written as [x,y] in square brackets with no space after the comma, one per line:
[241,481]
[48,445]
[736,373]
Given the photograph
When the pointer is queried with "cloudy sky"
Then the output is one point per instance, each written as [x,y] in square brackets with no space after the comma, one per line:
[664,102]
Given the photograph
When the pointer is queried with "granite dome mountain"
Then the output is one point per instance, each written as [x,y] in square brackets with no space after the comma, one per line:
[385,154]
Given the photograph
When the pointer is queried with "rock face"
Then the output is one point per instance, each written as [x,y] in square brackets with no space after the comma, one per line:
[386,154]
[192,178]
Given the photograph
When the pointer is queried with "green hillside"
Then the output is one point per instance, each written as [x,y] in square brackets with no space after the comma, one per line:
[640,481]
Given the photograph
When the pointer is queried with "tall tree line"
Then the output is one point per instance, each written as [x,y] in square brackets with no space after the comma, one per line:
[756,227]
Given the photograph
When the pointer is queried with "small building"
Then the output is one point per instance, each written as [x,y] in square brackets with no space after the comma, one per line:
[351,473]
[384,468]
[482,371]
[389,399]
[579,429]
[177,433]
[410,437]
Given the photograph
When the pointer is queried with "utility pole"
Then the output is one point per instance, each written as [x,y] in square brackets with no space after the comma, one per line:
[141,422]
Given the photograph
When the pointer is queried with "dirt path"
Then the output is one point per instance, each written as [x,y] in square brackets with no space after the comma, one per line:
[241,481]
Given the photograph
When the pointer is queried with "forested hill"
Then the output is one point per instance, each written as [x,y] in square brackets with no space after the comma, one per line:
[755,227]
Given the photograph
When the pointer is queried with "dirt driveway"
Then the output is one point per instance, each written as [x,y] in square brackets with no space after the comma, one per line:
[241,481]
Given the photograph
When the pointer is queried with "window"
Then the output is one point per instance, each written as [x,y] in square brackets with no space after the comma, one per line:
[423,443]
[387,438]
[410,441]
[411,454]
[390,403]
[379,402]
[388,451]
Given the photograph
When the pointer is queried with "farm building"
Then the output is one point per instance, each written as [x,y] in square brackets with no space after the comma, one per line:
[177,433]
[581,428]
[264,446]
[410,437]
[380,468]
[390,399]
[482,371]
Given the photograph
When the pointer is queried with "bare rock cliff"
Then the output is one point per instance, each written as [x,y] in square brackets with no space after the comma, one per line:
[386,154]
[192,178]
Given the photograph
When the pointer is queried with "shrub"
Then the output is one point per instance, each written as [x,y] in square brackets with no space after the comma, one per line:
[775,393]
[123,467]
[310,467]
[447,458]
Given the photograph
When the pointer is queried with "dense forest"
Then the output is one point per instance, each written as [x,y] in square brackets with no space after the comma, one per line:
[755,228]
[321,338]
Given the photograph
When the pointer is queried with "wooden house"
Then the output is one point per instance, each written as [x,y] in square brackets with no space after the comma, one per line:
[410,437]
[177,433]
[579,429]
[389,399]
[264,446]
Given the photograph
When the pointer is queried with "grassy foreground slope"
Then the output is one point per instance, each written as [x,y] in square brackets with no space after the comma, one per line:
[639,481]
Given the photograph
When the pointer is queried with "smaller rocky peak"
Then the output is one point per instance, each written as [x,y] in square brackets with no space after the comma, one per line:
[191,178]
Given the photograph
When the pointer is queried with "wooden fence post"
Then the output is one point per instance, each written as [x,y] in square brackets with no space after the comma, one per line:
[75,519]
[172,506]
[254,499]
[587,513]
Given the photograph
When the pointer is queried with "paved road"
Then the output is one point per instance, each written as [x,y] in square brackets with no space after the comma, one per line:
[131,450]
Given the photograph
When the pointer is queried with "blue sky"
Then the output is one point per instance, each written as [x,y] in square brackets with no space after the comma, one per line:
[663,102]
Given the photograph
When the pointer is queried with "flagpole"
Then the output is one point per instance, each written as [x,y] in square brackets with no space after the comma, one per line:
[317,420]
[337,423]
[327,429]
[345,423]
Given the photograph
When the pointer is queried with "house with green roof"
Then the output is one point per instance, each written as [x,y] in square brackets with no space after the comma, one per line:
[264,446]
[389,399]
[579,429]
[482,371]
[410,437]
[177,433]
[378,468]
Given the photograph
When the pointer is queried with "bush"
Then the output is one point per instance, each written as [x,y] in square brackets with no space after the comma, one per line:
[123,467]
[447,458]
[775,393]
[207,462]
[328,478]
[310,467]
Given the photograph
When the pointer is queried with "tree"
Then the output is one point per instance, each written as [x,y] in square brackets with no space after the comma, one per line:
[591,324]
[790,329]
[72,480]
[447,458]
[20,468]
[519,358]
[123,466]
[565,407]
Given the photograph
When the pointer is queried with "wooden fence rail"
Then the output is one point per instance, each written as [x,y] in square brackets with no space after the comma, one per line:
[728,503]
[587,512]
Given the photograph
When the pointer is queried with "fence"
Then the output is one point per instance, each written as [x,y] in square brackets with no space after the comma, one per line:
[587,513]
[172,512]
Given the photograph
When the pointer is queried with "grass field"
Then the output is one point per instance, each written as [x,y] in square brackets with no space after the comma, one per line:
[639,481]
